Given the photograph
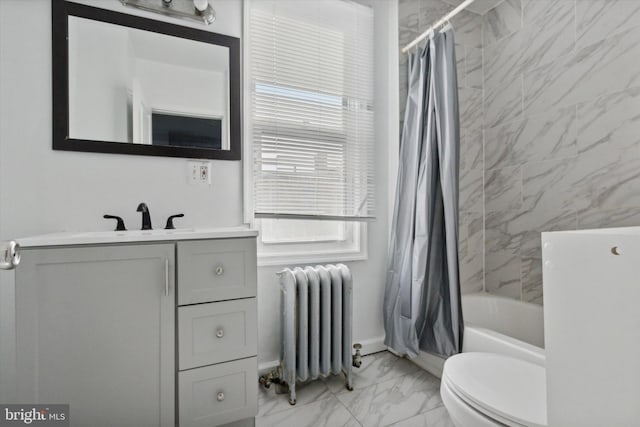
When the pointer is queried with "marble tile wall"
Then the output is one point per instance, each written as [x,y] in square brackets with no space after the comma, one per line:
[561,129]
[550,118]
[414,17]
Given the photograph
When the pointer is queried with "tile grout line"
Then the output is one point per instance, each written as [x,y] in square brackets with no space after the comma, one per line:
[348,410]
[484,164]
[410,374]
[441,405]
[290,407]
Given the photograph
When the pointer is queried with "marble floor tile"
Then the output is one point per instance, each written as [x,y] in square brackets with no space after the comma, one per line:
[270,403]
[394,400]
[328,413]
[387,390]
[375,368]
[438,417]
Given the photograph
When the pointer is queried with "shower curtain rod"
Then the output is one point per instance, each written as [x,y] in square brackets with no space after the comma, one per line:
[441,21]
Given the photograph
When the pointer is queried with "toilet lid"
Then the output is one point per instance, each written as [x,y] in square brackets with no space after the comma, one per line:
[495,384]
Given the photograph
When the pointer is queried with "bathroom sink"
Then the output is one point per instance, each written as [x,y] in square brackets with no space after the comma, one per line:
[134,233]
[154,232]
[132,236]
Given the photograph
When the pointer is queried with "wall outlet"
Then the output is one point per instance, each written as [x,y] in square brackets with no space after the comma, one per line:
[204,174]
[199,173]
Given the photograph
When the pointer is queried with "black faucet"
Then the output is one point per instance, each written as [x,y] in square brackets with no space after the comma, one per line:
[146,219]
[170,225]
[120,226]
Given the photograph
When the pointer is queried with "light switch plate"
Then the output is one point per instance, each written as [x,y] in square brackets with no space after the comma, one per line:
[199,173]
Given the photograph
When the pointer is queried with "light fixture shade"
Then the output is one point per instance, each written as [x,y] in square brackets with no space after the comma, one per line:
[201,5]
[195,10]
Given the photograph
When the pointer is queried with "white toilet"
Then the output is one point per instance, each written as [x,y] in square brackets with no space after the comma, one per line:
[488,390]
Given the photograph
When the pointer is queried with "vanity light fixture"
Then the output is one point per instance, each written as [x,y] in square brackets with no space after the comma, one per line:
[196,10]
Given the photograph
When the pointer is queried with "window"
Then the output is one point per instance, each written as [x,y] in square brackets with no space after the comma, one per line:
[311,124]
[186,131]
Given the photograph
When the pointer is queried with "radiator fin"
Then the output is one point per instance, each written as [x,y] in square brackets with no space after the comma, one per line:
[317,322]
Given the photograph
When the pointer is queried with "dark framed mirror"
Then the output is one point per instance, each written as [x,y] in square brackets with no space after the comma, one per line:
[130,85]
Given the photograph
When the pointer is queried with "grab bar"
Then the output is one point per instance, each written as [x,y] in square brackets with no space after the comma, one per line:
[9,255]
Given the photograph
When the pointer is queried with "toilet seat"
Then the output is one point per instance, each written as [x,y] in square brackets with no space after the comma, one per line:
[508,390]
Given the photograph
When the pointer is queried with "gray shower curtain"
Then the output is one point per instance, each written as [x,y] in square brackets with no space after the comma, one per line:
[422,307]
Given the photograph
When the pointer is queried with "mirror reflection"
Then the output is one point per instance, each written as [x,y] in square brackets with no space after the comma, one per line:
[163,90]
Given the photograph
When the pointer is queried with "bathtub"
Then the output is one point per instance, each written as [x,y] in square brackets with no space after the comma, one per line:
[497,324]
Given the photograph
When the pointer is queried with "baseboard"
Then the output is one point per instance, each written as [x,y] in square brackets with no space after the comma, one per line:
[430,363]
[266,367]
[395,353]
[373,345]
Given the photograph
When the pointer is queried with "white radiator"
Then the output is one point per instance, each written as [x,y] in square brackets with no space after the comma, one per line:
[317,319]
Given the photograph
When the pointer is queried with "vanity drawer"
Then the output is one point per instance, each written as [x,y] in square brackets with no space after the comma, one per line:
[217,332]
[216,270]
[218,394]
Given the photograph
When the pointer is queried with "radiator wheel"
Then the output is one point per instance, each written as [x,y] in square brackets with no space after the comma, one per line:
[265,382]
[292,401]
[350,388]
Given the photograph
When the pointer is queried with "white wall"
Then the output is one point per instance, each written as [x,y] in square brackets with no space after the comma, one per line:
[42,190]
[183,89]
[98,81]
[369,276]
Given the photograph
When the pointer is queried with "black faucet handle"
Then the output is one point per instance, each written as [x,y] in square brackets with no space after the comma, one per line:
[120,225]
[170,225]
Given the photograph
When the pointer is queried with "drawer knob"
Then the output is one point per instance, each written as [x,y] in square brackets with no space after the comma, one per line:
[220,333]
[219,270]
[220,397]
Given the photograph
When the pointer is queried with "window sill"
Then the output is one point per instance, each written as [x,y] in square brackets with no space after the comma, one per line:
[299,252]
[312,258]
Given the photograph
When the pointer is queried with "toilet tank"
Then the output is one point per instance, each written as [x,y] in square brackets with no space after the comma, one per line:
[592,326]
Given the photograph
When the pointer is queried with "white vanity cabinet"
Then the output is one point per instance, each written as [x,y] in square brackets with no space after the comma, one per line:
[95,328]
[156,332]
[217,343]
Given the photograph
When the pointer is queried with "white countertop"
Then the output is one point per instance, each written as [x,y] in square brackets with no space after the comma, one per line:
[133,236]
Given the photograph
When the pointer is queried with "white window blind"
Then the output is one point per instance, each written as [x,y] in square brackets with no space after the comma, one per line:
[312,118]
